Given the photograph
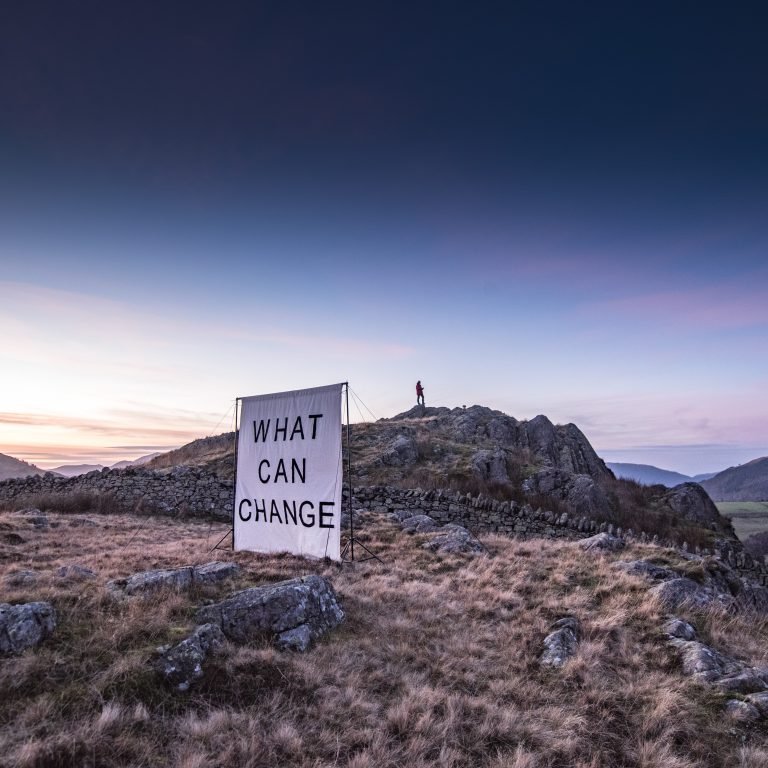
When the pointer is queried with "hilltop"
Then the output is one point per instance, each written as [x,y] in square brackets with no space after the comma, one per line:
[647,474]
[10,468]
[747,482]
[479,450]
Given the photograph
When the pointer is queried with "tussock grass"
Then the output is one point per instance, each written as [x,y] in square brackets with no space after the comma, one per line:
[436,663]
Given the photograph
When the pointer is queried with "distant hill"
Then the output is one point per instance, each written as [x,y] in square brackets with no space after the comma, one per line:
[135,462]
[648,474]
[704,476]
[71,470]
[10,467]
[747,482]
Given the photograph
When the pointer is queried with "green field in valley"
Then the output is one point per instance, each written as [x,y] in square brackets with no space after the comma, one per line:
[748,517]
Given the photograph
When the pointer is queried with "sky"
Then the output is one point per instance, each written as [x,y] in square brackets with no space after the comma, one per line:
[540,207]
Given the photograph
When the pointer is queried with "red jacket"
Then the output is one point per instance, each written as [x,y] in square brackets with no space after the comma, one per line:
[419,390]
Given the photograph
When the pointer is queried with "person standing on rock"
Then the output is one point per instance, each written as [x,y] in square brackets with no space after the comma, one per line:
[419,394]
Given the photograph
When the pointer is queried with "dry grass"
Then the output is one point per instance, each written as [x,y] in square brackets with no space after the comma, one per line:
[436,664]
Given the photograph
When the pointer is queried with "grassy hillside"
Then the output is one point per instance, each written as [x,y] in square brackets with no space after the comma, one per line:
[747,517]
[747,482]
[436,664]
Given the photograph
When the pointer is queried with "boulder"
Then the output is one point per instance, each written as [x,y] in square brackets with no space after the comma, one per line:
[182,664]
[25,626]
[454,538]
[561,643]
[601,542]
[419,524]
[277,610]
[175,578]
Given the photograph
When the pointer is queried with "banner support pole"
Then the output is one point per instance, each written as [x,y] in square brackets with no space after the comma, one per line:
[350,545]
[234,481]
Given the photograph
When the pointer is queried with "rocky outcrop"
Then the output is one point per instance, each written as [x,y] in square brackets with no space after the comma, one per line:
[690,501]
[491,466]
[561,643]
[176,578]
[402,452]
[561,447]
[182,664]
[717,585]
[580,493]
[25,626]
[710,667]
[293,612]
[419,524]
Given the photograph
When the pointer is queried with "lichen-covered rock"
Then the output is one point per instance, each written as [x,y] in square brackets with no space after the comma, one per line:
[601,542]
[277,608]
[749,680]
[25,626]
[420,524]
[296,639]
[454,538]
[561,643]
[175,578]
[580,493]
[182,664]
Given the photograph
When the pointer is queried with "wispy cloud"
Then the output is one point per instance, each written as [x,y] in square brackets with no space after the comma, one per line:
[710,308]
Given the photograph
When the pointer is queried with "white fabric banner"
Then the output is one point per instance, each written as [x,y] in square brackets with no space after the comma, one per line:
[289,473]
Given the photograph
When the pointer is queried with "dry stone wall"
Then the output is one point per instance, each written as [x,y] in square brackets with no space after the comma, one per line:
[181,490]
[190,491]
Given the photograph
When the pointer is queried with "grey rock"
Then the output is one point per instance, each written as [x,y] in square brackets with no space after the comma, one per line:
[454,539]
[276,608]
[75,572]
[561,643]
[22,578]
[681,592]
[176,578]
[296,639]
[704,663]
[759,700]
[402,452]
[690,501]
[601,542]
[742,711]
[646,570]
[420,524]
[680,629]
[747,681]
[182,664]
[25,626]
[580,492]
[491,466]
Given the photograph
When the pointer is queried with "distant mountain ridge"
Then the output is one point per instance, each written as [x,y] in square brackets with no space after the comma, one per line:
[648,474]
[747,482]
[72,470]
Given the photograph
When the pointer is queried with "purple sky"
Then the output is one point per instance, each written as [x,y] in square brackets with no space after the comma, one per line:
[543,210]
